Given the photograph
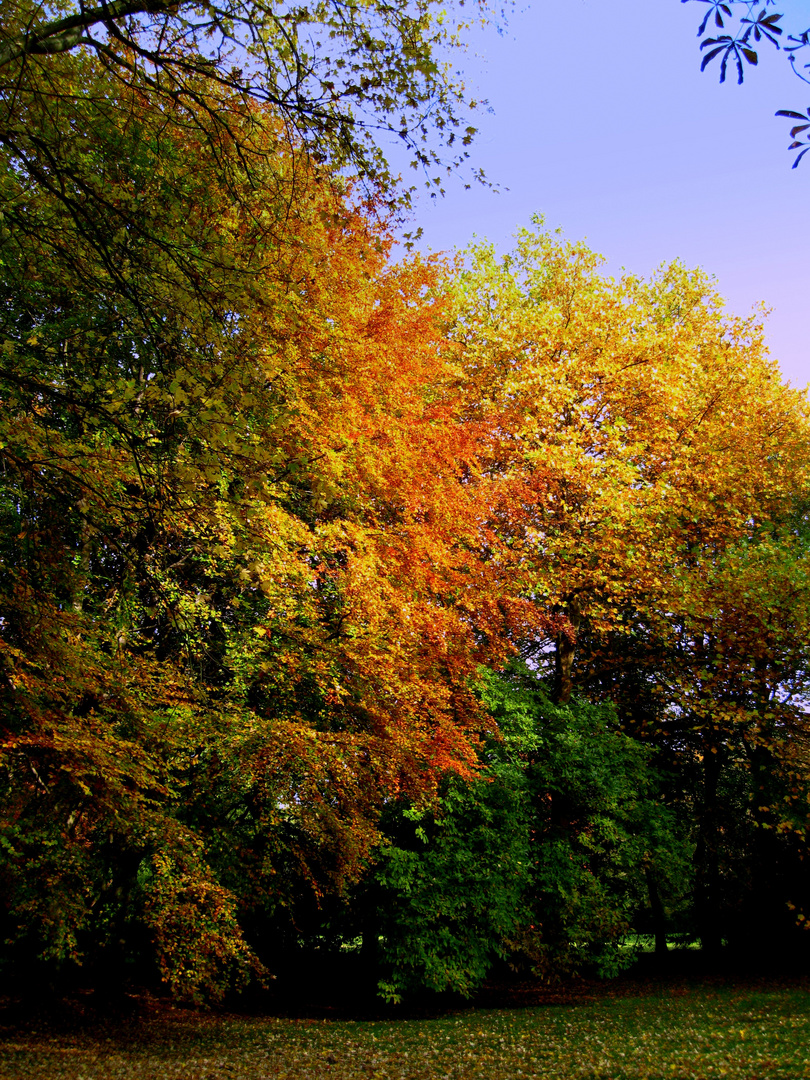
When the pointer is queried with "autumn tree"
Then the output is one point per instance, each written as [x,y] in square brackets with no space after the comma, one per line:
[632,423]
[244,591]
[650,466]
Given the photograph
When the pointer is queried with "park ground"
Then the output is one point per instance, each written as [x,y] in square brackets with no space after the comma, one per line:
[757,1029]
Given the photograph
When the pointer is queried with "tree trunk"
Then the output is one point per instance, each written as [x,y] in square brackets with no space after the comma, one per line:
[83,562]
[659,917]
[566,645]
[707,856]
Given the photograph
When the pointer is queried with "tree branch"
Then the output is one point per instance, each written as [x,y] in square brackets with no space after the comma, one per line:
[65,34]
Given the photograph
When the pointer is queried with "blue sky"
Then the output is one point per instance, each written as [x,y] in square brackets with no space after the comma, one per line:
[603,123]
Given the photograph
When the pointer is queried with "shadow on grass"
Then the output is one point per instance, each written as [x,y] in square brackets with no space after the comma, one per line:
[320,986]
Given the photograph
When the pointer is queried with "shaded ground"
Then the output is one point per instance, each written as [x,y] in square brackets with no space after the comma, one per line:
[629,1029]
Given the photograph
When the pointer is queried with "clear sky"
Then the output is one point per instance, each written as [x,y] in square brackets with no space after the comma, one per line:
[603,123]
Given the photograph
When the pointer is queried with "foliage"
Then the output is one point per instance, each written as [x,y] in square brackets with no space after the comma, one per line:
[748,28]
[600,827]
[336,76]
[230,610]
[541,861]
[267,502]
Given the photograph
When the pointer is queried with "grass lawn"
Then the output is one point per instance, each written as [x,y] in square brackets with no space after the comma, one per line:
[760,1032]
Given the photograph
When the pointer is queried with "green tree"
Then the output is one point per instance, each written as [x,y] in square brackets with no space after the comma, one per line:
[545,861]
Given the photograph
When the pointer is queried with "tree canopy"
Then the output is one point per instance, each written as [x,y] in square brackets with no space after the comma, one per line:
[242,571]
[269,502]
[280,516]
[341,79]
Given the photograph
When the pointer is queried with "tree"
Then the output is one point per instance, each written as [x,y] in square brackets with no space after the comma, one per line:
[608,850]
[631,423]
[649,476]
[243,595]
